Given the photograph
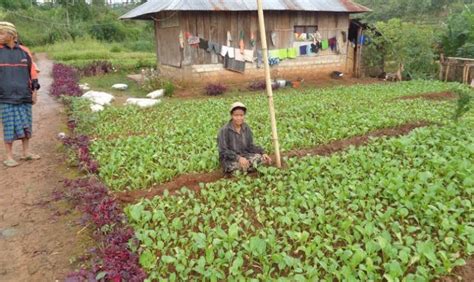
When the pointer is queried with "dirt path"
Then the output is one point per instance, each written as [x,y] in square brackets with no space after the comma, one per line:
[36,241]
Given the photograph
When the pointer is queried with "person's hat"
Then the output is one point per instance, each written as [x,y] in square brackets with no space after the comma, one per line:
[9,27]
[238,105]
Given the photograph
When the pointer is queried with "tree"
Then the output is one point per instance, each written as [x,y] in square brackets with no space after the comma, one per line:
[407,46]
[458,38]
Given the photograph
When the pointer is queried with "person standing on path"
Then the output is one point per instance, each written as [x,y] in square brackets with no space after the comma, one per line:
[235,143]
[18,92]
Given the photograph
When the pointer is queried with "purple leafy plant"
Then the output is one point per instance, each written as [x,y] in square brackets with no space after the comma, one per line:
[65,81]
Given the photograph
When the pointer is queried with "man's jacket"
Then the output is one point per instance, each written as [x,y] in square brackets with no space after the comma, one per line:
[18,75]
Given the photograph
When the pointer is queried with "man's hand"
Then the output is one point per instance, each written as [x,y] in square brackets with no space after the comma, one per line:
[244,163]
[267,159]
[34,97]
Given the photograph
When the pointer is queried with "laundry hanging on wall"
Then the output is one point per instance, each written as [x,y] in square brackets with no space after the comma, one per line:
[203,44]
[214,47]
[235,58]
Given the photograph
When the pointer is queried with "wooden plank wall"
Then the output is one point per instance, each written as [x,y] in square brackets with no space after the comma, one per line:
[213,26]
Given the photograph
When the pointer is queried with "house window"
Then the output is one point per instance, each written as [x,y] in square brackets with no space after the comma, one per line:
[305,32]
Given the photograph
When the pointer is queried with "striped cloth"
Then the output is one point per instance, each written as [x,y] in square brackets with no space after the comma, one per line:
[17,121]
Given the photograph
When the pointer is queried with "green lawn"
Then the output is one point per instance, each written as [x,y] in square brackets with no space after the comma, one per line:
[105,82]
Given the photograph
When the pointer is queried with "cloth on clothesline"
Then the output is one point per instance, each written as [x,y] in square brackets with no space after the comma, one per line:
[227,51]
[214,47]
[181,39]
[193,40]
[333,43]
[303,51]
[239,56]
[273,53]
[292,53]
[274,37]
[203,44]
[259,58]
[272,61]
[229,38]
[314,48]
[253,41]
[317,37]
[248,55]
[241,42]
[324,44]
[234,65]
[283,54]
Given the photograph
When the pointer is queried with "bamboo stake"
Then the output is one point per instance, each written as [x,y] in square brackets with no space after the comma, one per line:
[268,81]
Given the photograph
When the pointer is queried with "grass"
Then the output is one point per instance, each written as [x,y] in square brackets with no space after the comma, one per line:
[104,83]
[83,51]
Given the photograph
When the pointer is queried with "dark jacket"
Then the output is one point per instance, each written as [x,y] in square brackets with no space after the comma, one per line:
[18,75]
[232,144]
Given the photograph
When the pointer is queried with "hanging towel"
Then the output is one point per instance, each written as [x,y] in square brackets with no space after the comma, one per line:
[203,44]
[283,54]
[292,53]
[214,47]
[308,49]
[324,44]
[248,55]
[229,38]
[239,56]
[303,51]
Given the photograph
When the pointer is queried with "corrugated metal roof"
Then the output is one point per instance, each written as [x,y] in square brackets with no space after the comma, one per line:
[154,6]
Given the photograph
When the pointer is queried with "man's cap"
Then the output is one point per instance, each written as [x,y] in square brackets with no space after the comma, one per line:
[238,105]
[8,27]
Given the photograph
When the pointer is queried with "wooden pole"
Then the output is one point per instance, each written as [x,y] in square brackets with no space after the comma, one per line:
[263,38]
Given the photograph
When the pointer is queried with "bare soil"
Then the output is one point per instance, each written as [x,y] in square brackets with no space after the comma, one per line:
[38,236]
[435,96]
[356,141]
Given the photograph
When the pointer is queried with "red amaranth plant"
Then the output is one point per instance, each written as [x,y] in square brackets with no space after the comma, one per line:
[65,81]
[112,260]
[81,145]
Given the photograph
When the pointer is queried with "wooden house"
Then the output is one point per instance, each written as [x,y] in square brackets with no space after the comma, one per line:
[191,34]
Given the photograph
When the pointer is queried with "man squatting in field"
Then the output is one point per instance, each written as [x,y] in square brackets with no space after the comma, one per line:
[235,142]
[18,92]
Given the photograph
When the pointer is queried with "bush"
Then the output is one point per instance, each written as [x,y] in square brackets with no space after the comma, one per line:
[261,85]
[215,89]
[402,44]
[153,82]
[96,68]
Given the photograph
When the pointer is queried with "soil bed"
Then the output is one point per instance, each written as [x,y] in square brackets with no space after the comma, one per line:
[192,181]
[436,96]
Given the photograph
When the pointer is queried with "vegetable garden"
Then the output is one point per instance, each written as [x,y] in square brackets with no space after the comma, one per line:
[153,146]
[396,208]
